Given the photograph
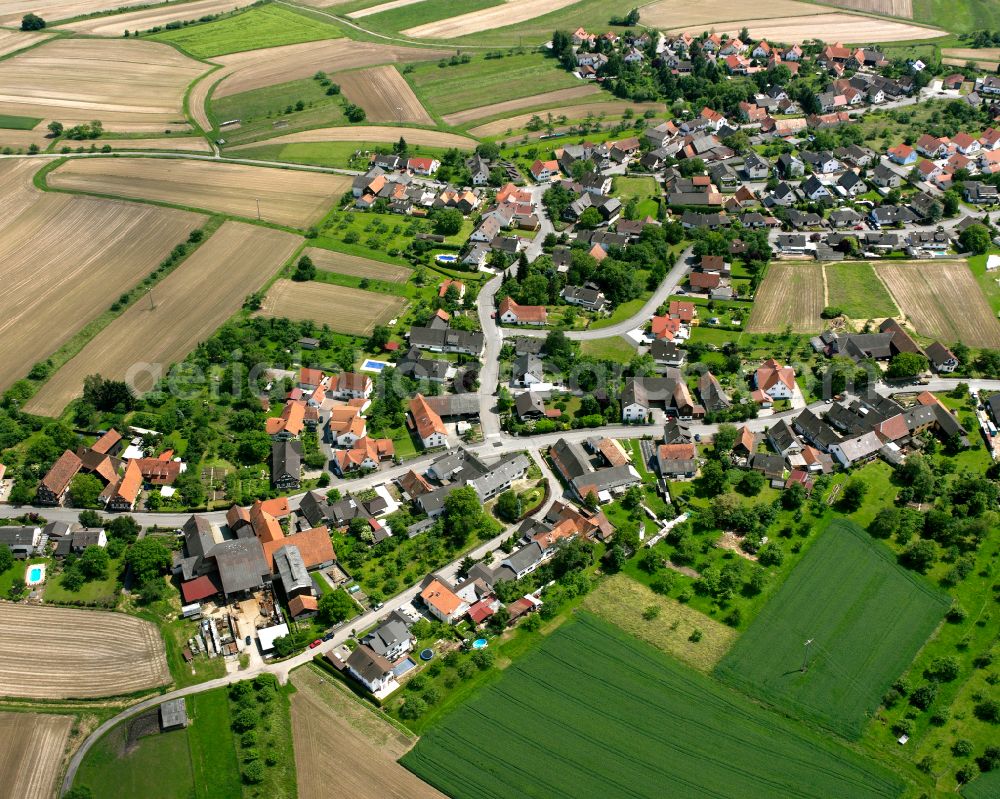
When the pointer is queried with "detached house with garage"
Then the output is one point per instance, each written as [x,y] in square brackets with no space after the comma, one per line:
[510,313]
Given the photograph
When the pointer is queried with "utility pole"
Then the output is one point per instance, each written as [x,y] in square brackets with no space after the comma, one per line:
[805,654]
[258,208]
[152,304]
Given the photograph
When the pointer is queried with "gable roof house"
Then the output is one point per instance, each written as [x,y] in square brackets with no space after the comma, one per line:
[54,486]
[775,380]
[286,464]
[510,313]
[427,423]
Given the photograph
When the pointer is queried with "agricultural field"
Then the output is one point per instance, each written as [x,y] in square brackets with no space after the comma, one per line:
[343,264]
[12,41]
[258,68]
[407,14]
[339,741]
[346,310]
[958,15]
[384,95]
[115,25]
[509,13]
[698,14]
[887,8]
[62,253]
[260,27]
[573,113]
[545,100]
[622,601]
[197,762]
[481,82]
[62,653]
[841,27]
[286,197]
[12,10]
[854,288]
[584,714]
[32,755]
[942,300]
[791,294]
[174,144]
[339,155]
[985,57]
[131,86]
[866,617]
[371,133]
[187,306]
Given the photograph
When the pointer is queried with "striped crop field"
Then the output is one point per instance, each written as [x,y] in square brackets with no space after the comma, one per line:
[595,712]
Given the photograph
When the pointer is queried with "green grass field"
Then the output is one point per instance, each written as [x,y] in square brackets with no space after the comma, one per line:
[867,618]
[595,712]
[421,13]
[856,290]
[270,110]
[958,15]
[214,765]
[611,349]
[93,591]
[988,281]
[481,81]
[158,767]
[9,122]
[645,190]
[264,26]
[985,786]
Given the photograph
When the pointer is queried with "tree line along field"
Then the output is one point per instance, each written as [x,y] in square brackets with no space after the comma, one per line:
[32,754]
[346,310]
[866,617]
[62,653]
[66,259]
[258,28]
[131,86]
[288,197]
[593,711]
[184,308]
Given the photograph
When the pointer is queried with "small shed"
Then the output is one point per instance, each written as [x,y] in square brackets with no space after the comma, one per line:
[173,714]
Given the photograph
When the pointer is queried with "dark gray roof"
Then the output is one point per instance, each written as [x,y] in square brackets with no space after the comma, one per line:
[286,459]
[241,564]
[387,636]
[370,665]
[292,569]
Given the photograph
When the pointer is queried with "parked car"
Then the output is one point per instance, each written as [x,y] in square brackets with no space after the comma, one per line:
[328,636]
[315,643]
[248,641]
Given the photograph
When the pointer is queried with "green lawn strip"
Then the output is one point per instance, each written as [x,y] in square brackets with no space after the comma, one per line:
[855,289]
[866,616]
[158,767]
[988,281]
[583,714]
[259,27]
[985,786]
[9,122]
[213,763]
[482,81]
[621,312]
[335,154]
[270,110]
[614,348]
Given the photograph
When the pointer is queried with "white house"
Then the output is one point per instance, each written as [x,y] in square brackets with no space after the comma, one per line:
[775,380]
[443,603]
[372,670]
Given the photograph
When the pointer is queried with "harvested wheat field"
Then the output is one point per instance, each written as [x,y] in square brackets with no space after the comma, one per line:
[509,13]
[341,742]
[392,4]
[143,20]
[707,13]
[11,11]
[535,100]
[65,259]
[64,653]
[346,310]
[988,66]
[384,94]
[32,754]
[257,68]
[888,8]
[184,144]
[370,133]
[942,300]
[791,294]
[131,86]
[12,41]
[188,305]
[23,139]
[357,266]
[837,27]
[499,127]
[286,196]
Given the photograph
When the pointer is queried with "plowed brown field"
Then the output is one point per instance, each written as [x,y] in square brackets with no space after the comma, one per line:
[63,653]
[384,95]
[147,18]
[32,754]
[791,294]
[346,310]
[357,266]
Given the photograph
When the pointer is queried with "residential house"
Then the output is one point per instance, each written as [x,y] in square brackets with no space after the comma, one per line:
[428,424]
[775,380]
[442,602]
[372,670]
[510,313]
[286,464]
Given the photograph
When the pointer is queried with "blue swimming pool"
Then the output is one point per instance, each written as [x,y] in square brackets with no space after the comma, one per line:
[35,574]
[479,643]
[446,259]
[374,366]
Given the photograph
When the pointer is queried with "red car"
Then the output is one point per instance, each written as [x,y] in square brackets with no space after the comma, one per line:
[315,643]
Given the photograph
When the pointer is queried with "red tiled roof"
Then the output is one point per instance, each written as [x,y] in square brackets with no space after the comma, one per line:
[199,588]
